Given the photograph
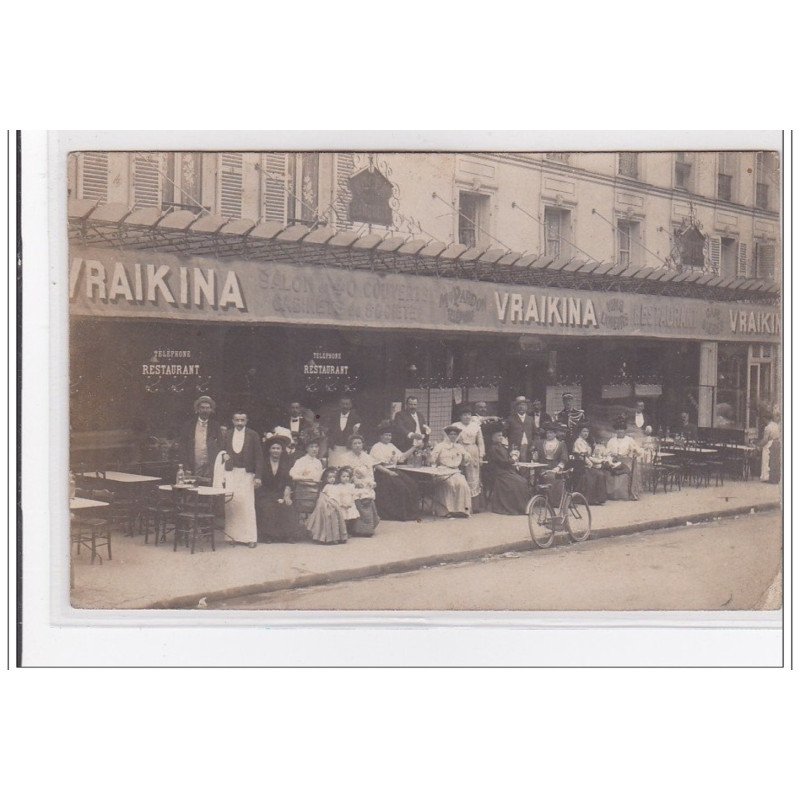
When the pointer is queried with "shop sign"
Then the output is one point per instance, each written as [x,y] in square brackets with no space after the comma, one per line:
[173,370]
[166,286]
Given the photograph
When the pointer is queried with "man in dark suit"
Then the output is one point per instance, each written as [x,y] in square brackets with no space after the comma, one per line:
[201,440]
[341,426]
[408,422]
[520,429]
[572,418]
[686,429]
[640,418]
[540,418]
[296,423]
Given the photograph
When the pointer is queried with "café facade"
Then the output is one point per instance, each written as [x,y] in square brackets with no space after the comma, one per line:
[166,306]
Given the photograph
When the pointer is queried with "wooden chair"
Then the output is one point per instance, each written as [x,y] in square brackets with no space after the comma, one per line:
[155,514]
[92,532]
[194,518]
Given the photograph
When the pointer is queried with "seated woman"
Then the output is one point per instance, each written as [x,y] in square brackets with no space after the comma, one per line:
[275,514]
[306,473]
[451,494]
[327,523]
[471,437]
[364,480]
[396,493]
[624,478]
[553,452]
[510,491]
[589,478]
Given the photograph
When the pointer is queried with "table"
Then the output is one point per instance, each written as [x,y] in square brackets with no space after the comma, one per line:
[129,487]
[80,503]
[203,491]
[430,475]
[120,477]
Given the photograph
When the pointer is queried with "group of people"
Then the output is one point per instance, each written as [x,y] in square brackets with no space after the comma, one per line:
[312,478]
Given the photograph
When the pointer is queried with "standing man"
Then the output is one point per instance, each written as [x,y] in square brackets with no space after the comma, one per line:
[640,419]
[520,429]
[540,418]
[244,467]
[341,427]
[201,440]
[573,418]
[686,429]
[408,422]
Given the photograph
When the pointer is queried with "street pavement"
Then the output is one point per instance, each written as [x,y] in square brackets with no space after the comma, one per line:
[731,564]
[143,576]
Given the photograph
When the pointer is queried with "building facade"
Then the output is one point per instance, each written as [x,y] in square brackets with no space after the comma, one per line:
[268,277]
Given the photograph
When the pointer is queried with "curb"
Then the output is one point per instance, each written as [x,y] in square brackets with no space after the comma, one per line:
[412,564]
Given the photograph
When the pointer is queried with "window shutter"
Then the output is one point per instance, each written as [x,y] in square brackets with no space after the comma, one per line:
[765,260]
[741,261]
[230,184]
[146,180]
[345,166]
[714,251]
[94,177]
[274,167]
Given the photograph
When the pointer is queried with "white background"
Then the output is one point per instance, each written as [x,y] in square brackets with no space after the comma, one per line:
[620,733]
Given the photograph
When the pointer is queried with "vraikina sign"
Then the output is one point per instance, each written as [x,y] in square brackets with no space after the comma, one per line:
[156,285]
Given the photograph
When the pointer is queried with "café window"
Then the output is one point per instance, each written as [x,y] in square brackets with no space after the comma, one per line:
[473,214]
[629,165]
[726,170]
[683,171]
[731,393]
[628,237]
[556,231]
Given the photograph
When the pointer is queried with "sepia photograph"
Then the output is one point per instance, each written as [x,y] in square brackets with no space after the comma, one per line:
[425,381]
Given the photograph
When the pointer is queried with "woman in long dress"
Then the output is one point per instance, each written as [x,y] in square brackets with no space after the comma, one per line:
[589,477]
[396,493]
[362,465]
[277,518]
[626,454]
[306,473]
[326,523]
[510,491]
[471,438]
[451,493]
[552,452]
[771,450]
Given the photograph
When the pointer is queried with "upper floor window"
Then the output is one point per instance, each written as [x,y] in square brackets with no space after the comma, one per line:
[93,176]
[230,183]
[629,165]
[684,162]
[767,181]
[302,202]
[726,171]
[472,218]
[146,179]
[765,260]
[556,231]
[628,233]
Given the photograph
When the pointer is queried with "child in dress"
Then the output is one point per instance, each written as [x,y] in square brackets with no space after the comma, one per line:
[346,495]
[327,521]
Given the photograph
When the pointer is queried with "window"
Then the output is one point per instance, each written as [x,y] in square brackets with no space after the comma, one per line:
[729,254]
[562,157]
[629,165]
[93,183]
[725,172]
[472,218]
[274,178]
[302,202]
[765,260]
[683,171]
[628,233]
[766,179]
[230,185]
[146,180]
[556,231]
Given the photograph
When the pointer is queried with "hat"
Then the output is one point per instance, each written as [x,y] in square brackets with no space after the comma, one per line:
[555,426]
[450,428]
[277,438]
[385,427]
[491,428]
[620,423]
[463,408]
[567,396]
[521,399]
[205,399]
[536,402]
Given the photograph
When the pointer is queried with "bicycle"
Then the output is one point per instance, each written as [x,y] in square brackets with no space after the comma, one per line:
[572,515]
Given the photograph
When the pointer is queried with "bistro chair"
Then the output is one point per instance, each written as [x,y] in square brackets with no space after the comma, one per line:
[92,532]
[155,514]
[194,518]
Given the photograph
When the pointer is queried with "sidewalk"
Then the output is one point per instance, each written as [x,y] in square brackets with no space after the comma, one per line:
[145,576]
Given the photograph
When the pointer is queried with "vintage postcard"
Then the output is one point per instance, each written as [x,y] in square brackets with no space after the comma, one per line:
[471,381]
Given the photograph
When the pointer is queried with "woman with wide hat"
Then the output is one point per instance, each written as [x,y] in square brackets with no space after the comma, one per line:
[510,491]
[471,437]
[624,480]
[553,452]
[396,493]
[451,491]
[277,517]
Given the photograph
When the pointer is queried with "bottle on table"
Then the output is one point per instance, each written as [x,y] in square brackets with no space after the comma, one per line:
[180,477]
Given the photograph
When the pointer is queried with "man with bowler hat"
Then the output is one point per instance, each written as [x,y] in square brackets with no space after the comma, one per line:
[520,429]
[201,440]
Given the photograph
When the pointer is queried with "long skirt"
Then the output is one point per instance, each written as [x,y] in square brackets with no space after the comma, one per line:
[624,482]
[240,512]
[326,523]
[771,462]
[452,496]
[591,483]
[472,472]
[278,522]
[510,494]
[305,496]
[367,521]
[397,497]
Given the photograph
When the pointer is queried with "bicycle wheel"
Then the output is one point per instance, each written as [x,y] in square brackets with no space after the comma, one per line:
[540,521]
[579,518]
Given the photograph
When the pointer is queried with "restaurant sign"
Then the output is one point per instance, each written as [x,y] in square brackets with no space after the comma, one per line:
[165,286]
